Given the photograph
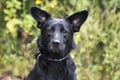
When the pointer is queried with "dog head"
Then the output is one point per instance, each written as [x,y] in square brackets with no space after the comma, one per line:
[57,34]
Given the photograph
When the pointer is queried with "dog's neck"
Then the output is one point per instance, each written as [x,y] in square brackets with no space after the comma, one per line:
[39,54]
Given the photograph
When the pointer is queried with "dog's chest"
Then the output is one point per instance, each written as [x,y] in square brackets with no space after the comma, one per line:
[57,70]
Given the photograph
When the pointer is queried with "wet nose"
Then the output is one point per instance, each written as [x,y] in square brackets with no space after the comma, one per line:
[56,42]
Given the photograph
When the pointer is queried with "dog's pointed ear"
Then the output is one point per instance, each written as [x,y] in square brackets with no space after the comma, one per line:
[77,19]
[40,16]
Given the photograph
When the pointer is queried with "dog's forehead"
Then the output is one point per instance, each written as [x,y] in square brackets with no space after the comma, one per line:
[53,21]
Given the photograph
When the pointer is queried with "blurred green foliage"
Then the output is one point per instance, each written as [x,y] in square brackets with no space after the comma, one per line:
[98,43]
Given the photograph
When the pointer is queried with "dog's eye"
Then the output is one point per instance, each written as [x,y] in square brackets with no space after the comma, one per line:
[64,32]
[49,31]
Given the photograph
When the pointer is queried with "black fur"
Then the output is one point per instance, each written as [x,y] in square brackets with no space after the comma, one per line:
[53,62]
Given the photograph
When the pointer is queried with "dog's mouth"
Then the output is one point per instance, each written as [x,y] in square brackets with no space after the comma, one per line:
[55,48]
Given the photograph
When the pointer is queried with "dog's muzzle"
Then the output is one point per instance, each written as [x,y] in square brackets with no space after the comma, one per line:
[56,42]
[56,46]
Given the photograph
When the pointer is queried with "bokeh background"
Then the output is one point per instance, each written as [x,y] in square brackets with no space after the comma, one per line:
[98,43]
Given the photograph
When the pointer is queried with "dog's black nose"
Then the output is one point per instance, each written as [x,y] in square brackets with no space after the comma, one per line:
[56,42]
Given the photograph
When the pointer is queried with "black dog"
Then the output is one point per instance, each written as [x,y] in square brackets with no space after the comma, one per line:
[53,61]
